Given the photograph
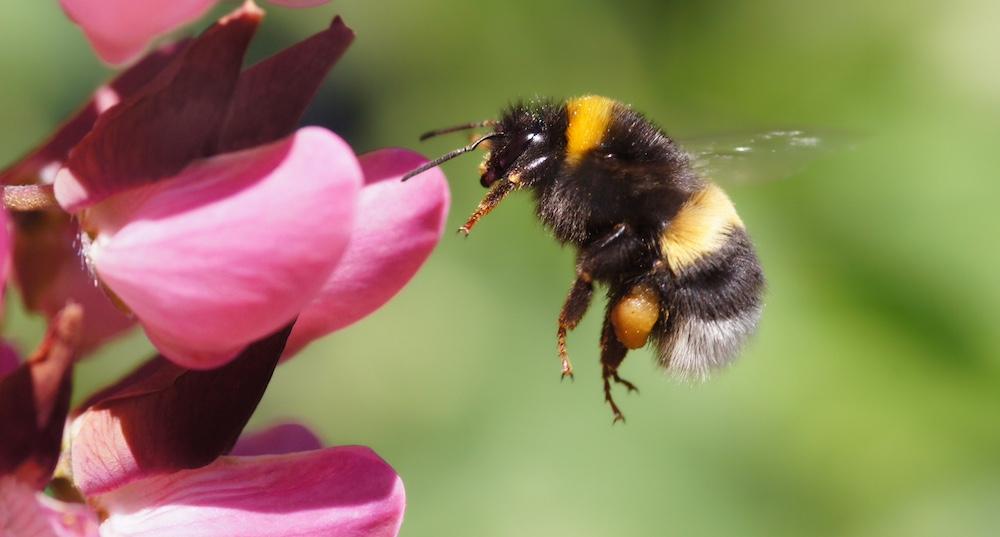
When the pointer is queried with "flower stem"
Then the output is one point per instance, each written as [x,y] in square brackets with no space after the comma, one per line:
[29,197]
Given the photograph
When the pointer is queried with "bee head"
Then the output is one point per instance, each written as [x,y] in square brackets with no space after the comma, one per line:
[523,146]
[529,139]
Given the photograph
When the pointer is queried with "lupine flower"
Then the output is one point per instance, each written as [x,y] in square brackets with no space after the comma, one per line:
[234,238]
[196,214]
[120,30]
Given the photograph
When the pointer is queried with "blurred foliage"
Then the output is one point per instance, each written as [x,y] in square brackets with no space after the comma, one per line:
[867,405]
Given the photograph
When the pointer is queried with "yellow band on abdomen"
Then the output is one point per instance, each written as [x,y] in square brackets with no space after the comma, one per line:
[700,227]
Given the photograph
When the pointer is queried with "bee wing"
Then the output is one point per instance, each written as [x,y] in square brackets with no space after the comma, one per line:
[764,156]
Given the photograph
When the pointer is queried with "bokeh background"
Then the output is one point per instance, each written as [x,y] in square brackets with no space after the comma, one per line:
[869,403]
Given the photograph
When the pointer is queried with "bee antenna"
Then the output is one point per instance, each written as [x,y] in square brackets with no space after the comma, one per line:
[456,128]
[450,155]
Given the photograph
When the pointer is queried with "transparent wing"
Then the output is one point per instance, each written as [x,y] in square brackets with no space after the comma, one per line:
[765,156]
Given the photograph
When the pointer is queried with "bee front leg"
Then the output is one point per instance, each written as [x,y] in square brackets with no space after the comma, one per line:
[572,312]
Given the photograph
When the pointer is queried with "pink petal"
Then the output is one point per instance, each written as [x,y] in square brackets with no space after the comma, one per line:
[163,418]
[174,120]
[231,249]
[336,492]
[119,30]
[271,96]
[24,512]
[278,440]
[397,226]
[9,359]
[34,401]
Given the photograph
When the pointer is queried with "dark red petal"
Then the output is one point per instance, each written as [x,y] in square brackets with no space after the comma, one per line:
[164,418]
[34,400]
[53,151]
[175,119]
[272,95]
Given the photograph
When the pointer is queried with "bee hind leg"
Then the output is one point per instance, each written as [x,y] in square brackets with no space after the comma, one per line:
[577,302]
[612,355]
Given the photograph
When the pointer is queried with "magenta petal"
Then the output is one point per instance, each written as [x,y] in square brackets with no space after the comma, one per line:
[119,30]
[231,249]
[163,418]
[277,440]
[8,359]
[335,492]
[24,512]
[174,120]
[397,226]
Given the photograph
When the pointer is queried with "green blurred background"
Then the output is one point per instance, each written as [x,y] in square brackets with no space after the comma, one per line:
[867,405]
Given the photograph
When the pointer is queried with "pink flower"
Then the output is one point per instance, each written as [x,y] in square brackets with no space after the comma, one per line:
[232,248]
[149,453]
[335,492]
[120,30]
[214,223]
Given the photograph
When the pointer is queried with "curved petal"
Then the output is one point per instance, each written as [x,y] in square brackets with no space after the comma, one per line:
[162,418]
[232,248]
[347,491]
[119,30]
[25,512]
[397,226]
[277,440]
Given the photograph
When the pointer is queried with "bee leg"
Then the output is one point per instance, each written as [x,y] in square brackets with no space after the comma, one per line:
[612,355]
[572,312]
[632,318]
[493,198]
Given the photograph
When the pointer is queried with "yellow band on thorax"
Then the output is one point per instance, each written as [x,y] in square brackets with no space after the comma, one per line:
[589,117]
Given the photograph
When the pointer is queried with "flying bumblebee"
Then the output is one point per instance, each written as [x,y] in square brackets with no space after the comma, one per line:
[679,267]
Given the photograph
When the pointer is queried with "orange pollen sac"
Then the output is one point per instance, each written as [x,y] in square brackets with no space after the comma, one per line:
[634,315]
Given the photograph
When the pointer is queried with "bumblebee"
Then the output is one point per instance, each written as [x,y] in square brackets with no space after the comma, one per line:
[668,245]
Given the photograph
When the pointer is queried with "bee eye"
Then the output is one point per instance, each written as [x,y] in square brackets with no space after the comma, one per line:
[609,156]
[535,138]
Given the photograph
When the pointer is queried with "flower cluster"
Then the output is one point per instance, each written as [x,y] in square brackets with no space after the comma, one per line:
[184,198]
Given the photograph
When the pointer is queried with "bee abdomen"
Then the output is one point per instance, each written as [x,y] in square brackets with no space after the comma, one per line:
[715,304]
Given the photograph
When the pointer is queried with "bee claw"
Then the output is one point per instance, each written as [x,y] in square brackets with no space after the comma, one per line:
[567,374]
[463,230]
